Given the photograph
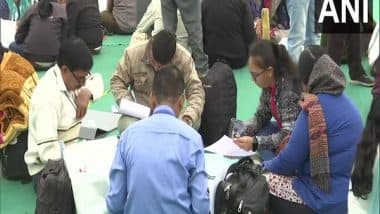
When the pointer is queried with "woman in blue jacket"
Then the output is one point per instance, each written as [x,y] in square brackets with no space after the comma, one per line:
[311,174]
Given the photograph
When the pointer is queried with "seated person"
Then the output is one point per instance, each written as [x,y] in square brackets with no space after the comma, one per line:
[47,17]
[58,103]
[279,18]
[122,16]
[272,70]
[151,23]
[159,166]
[84,22]
[365,178]
[14,9]
[227,31]
[134,74]
[312,173]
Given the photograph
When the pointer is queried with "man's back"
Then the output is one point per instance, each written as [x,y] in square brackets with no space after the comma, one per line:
[159,166]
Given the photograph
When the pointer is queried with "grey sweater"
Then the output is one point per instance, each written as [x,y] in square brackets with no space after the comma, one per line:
[42,37]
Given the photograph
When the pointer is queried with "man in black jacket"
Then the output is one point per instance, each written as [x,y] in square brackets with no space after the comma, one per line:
[227,31]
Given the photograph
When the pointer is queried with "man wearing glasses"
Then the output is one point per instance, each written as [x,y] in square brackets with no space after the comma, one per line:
[58,103]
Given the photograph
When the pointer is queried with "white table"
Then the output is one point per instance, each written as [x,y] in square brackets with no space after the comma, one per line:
[89,164]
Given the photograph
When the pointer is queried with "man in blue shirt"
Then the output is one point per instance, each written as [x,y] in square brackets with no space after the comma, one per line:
[159,165]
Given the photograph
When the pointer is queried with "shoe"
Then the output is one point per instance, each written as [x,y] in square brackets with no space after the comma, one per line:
[363,80]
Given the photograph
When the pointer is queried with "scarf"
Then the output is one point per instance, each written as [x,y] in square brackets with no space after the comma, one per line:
[319,150]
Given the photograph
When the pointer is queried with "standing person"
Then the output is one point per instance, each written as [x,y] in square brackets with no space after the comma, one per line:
[151,23]
[191,16]
[84,22]
[301,32]
[159,166]
[134,74]
[374,59]
[272,70]
[345,38]
[227,31]
[335,44]
[58,104]
[41,48]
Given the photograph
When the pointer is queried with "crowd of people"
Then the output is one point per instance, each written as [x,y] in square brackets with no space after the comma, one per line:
[307,131]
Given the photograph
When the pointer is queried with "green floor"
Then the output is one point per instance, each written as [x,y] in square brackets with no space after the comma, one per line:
[16,198]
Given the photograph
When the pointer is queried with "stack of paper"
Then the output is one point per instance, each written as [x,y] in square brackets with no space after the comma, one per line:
[225,146]
[133,109]
[7,32]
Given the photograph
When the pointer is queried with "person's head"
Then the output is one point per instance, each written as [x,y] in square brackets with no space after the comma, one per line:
[45,9]
[163,47]
[269,62]
[75,61]
[319,73]
[168,88]
[362,176]
[307,60]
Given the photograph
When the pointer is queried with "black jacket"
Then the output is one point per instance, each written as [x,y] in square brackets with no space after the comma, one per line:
[227,30]
[84,21]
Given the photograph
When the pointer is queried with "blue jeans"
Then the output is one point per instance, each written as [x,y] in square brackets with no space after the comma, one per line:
[268,129]
[17,48]
[301,32]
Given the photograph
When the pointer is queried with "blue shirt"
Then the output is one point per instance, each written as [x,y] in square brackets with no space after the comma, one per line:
[344,130]
[159,167]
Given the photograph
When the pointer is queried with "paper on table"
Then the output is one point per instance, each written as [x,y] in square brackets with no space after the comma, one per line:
[225,146]
[133,109]
[7,32]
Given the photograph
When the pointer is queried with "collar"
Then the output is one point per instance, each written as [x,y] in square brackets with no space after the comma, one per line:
[58,75]
[164,109]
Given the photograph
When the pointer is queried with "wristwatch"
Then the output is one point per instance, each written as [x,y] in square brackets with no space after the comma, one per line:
[255,144]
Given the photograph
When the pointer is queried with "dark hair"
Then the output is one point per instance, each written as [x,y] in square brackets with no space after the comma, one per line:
[271,54]
[307,60]
[75,54]
[45,9]
[362,176]
[168,84]
[163,47]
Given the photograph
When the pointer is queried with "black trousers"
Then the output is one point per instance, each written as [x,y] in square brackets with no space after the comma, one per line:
[281,206]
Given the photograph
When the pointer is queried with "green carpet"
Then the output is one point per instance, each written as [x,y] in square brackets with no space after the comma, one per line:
[16,198]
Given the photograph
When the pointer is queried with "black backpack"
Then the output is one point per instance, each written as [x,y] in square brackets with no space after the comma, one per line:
[243,190]
[54,191]
[12,159]
[220,104]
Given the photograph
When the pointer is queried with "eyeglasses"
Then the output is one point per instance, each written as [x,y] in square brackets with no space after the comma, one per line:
[256,75]
[82,80]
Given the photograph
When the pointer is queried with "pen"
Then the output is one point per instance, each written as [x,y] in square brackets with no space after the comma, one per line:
[133,95]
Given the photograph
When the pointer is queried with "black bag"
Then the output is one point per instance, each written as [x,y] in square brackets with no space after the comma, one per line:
[54,191]
[12,159]
[243,190]
[220,105]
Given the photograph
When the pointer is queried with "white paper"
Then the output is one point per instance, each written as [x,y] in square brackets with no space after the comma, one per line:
[133,109]
[8,32]
[225,146]
[102,5]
